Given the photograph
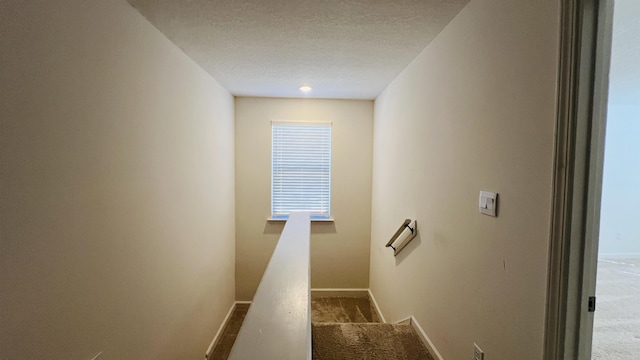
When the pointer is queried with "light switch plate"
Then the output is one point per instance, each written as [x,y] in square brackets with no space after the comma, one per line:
[488,203]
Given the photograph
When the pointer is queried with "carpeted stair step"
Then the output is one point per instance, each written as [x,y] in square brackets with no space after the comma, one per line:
[343,309]
[367,341]
[230,333]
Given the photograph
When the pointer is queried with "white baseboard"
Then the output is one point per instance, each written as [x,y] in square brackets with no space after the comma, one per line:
[423,336]
[375,305]
[216,338]
[319,292]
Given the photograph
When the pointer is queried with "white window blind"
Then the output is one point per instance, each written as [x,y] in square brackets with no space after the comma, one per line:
[301,168]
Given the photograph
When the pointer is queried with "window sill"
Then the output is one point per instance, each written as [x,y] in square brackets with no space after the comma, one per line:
[312,220]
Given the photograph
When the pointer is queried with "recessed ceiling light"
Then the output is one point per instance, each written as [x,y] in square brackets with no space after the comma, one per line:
[305,88]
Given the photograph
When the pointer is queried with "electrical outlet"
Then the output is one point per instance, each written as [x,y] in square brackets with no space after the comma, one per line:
[478,354]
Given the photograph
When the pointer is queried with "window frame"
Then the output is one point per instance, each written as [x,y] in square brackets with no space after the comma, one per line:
[279,216]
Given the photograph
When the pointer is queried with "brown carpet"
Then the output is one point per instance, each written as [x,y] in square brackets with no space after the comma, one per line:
[366,341]
[230,332]
[343,310]
[348,328]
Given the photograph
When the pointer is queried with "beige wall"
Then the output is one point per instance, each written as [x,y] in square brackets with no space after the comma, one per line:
[116,193]
[340,250]
[475,111]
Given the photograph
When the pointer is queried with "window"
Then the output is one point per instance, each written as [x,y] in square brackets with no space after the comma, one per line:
[300,168]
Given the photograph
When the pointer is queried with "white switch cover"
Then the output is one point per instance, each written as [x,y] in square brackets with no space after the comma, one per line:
[488,203]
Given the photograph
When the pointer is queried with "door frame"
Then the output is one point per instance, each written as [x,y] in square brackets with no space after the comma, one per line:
[585,48]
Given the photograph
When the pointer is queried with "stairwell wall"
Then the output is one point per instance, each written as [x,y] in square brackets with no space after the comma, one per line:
[116,187]
[339,249]
[474,111]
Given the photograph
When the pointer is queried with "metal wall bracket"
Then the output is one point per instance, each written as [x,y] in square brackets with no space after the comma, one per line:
[396,245]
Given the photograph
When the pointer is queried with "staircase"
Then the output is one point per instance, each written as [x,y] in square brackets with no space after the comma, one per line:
[277,324]
[349,328]
[343,328]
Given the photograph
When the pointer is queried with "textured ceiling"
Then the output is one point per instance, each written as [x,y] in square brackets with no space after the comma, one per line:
[624,79]
[344,49]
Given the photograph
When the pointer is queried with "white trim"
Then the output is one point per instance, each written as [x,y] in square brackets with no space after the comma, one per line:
[423,336]
[282,220]
[575,198]
[315,293]
[375,305]
[301,123]
[214,342]
[406,321]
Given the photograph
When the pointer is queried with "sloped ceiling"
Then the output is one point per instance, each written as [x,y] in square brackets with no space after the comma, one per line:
[344,49]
